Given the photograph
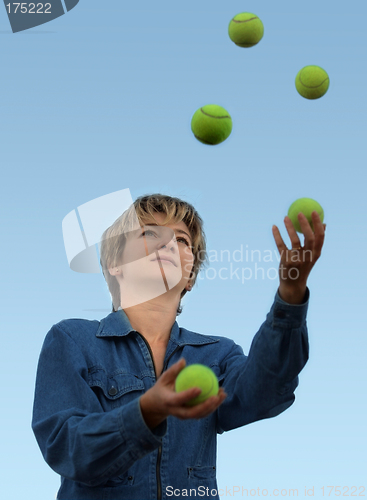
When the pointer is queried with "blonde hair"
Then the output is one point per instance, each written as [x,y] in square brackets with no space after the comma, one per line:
[176,210]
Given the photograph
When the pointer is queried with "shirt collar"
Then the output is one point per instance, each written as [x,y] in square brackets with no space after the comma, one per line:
[117,324]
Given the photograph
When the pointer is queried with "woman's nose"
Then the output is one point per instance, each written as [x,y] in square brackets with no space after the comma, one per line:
[169,245]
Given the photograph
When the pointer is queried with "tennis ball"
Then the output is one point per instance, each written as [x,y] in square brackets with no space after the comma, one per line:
[197,375]
[246,29]
[306,206]
[312,82]
[211,124]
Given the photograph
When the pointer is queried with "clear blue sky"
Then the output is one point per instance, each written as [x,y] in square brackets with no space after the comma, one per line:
[101,100]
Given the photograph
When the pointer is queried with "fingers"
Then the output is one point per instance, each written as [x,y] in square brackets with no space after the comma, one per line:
[319,232]
[202,409]
[295,242]
[172,372]
[314,239]
[293,236]
[183,397]
[279,240]
[176,403]
[307,231]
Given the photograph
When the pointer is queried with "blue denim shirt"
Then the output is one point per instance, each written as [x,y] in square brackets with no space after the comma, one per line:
[87,418]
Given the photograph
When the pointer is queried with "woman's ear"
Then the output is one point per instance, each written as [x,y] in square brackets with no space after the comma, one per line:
[114,271]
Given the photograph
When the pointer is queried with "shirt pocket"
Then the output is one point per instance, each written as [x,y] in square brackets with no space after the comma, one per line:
[114,389]
[202,477]
[202,472]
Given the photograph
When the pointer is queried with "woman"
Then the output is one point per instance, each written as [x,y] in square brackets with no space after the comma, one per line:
[106,415]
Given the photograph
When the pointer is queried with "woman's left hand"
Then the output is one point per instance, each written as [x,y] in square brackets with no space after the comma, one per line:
[296,263]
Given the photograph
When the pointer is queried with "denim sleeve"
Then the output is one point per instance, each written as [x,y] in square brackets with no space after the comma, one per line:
[78,439]
[262,384]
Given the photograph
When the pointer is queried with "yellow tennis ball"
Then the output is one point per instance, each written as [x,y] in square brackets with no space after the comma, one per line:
[211,124]
[245,29]
[197,375]
[312,82]
[306,206]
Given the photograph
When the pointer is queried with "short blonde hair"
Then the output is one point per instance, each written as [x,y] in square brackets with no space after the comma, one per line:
[176,210]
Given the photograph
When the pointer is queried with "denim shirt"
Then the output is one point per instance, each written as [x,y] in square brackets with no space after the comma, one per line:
[87,418]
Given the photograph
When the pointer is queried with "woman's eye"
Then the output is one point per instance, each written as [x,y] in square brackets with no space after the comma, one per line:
[184,240]
[150,233]
[144,233]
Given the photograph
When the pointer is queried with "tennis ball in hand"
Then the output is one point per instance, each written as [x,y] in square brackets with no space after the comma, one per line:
[211,124]
[246,29]
[197,375]
[306,206]
[312,82]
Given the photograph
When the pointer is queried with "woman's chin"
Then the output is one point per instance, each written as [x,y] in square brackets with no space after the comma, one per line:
[169,273]
[142,292]
[137,292]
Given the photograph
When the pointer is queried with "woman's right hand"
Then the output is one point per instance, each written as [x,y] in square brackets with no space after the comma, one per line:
[162,400]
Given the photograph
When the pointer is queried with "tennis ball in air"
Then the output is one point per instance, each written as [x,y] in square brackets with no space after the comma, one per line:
[312,82]
[197,375]
[306,206]
[246,29]
[211,124]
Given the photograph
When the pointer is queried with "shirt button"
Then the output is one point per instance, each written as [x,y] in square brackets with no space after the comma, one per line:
[112,391]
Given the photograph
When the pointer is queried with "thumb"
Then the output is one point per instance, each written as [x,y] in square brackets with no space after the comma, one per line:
[175,369]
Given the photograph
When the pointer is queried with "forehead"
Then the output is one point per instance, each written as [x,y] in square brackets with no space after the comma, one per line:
[159,218]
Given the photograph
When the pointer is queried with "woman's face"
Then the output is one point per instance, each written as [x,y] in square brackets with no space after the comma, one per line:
[155,260]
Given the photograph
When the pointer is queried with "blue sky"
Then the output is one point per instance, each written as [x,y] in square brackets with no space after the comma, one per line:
[100,100]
